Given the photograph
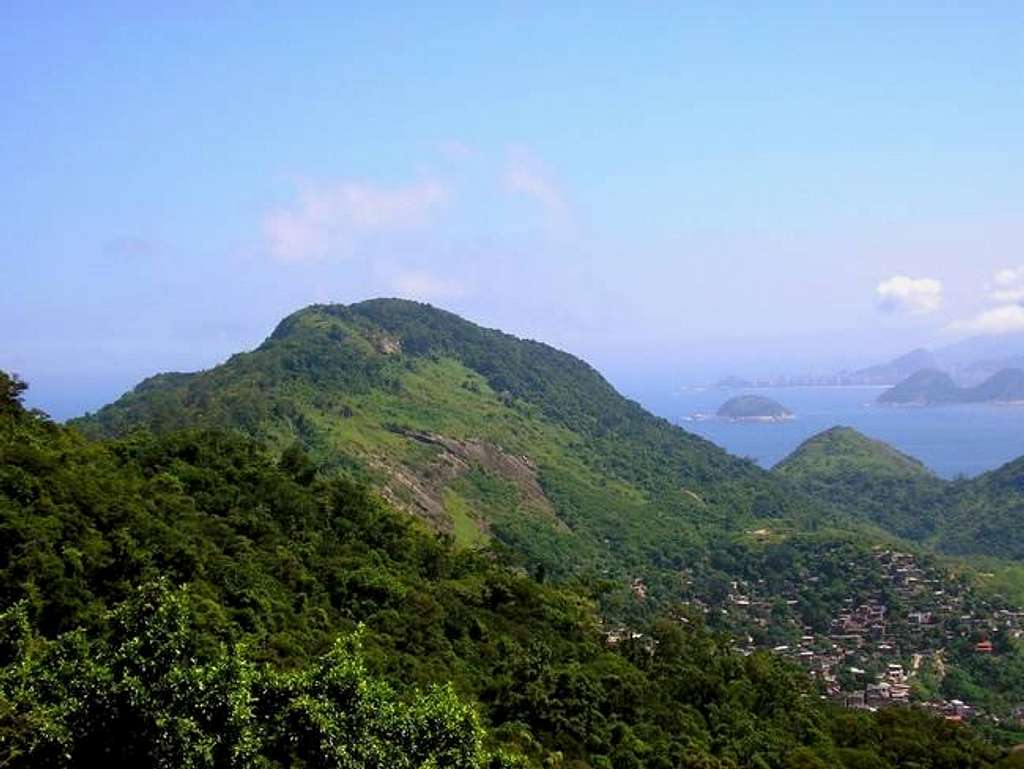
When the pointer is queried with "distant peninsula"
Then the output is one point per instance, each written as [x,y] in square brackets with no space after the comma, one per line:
[754,408]
[931,387]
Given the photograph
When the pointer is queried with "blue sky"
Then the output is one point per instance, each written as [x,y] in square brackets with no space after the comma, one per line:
[673,191]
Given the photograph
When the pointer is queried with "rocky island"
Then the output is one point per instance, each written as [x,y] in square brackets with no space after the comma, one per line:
[753,408]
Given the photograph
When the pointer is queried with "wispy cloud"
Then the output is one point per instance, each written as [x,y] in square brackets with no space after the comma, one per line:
[523,176]
[1009,277]
[914,296]
[997,320]
[1006,292]
[1009,295]
[328,220]
[1008,286]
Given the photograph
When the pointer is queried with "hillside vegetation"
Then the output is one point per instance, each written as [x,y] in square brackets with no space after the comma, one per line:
[316,626]
[482,434]
[986,513]
[867,479]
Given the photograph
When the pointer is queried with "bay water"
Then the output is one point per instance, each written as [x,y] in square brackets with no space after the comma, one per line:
[958,440]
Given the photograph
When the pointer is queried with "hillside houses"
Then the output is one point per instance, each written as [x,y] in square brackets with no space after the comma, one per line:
[868,652]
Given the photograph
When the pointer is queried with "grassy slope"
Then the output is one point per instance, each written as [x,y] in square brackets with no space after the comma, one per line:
[628,490]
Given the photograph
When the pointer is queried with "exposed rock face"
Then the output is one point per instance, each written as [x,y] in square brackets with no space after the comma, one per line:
[424,489]
[387,345]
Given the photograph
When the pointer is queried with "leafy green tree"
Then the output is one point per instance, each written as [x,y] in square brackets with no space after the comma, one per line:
[147,695]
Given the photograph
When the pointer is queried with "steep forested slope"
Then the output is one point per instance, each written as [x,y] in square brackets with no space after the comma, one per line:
[864,479]
[478,432]
[867,480]
[240,666]
[986,514]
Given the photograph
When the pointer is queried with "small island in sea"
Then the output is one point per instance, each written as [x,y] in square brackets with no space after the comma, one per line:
[753,408]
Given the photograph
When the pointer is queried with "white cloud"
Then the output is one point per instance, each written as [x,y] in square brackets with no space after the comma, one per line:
[522,177]
[916,296]
[426,287]
[1009,277]
[1008,286]
[998,320]
[1009,295]
[330,219]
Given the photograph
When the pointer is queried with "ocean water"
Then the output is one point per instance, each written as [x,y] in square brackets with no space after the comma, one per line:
[961,440]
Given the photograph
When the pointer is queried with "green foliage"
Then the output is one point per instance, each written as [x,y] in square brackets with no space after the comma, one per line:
[147,694]
[242,668]
[985,512]
[624,493]
[753,407]
[867,480]
[11,391]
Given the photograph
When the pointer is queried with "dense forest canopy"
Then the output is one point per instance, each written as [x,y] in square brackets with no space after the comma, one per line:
[484,435]
[867,480]
[196,599]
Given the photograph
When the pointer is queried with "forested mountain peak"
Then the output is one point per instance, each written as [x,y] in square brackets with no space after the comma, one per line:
[316,625]
[869,480]
[845,444]
[484,435]
[866,479]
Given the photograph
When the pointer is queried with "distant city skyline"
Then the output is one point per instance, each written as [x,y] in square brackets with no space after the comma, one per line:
[672,193]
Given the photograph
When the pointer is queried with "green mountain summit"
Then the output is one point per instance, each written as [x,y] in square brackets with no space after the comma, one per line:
[866,479]
[482,434]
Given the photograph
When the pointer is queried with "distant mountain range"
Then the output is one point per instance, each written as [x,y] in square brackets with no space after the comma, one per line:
[895,370]
[982,354]
[968,363]
[930,387]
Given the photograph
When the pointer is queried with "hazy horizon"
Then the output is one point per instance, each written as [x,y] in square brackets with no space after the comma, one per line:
[673,195]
